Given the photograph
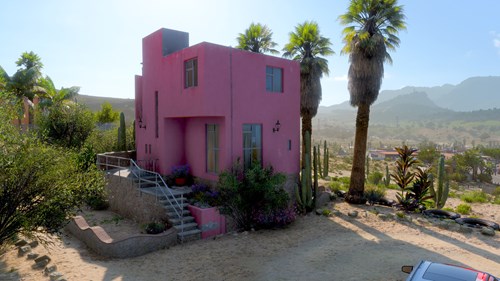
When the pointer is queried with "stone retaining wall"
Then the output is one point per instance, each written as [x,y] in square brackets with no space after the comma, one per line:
[126,199]
[99,241]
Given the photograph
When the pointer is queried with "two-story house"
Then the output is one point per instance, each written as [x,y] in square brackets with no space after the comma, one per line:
[208,105]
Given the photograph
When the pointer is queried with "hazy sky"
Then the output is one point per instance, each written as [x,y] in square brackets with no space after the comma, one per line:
[96,44]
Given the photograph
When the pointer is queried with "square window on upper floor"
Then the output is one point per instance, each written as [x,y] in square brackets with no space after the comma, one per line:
[274,79]
[191,73]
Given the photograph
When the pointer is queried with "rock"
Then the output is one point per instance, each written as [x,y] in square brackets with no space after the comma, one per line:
[323,198]
[336,212]
[353,214]
[44,257]
[383,217]
[319,212]
[24,249]
[32,256]
[50,269]
[33,244]
[464,229]
[55,276]
[321,188]
[488,231]
[21,243]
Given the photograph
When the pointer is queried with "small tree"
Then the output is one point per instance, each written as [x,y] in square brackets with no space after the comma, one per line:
[66,125]
[106,114]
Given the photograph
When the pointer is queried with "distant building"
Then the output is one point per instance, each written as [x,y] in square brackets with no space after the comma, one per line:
[208,105]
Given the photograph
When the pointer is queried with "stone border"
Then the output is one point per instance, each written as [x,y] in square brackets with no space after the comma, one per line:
[99,241]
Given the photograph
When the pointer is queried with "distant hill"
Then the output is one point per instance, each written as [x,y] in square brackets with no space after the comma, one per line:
[471,94]
[127,106]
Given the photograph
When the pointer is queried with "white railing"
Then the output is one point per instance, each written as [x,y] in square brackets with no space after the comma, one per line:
[142,175]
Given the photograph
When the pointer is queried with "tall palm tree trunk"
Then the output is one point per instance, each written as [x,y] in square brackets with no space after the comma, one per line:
[306,127]
[357,184]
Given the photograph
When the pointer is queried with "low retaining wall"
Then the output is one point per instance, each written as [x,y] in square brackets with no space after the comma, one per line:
[128,201]
[99,241]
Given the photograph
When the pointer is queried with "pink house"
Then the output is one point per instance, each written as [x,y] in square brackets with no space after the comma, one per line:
[208,105]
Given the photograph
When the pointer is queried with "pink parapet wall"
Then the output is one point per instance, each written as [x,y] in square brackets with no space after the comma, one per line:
[210,221]
[230,92]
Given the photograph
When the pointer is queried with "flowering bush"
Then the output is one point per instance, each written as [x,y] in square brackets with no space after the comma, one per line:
[275,218]
[255,197]
[181,171]
[201,196]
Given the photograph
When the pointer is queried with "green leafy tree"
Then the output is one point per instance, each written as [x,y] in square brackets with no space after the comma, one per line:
[40,185]
[371,29]
[428,154]
[107,114]
[66,125]
[469,161]
[307,46]
[258,39]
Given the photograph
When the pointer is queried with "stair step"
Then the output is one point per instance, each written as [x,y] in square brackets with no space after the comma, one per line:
[189,235]
[186,219]
[174,214]
[186,227]
[170,208]
[181,202]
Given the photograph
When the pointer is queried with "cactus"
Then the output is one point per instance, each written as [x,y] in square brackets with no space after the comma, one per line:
[315,166]
[367,168]
[326,157]
[387,179]
[320,169]
[304,195]
[122,134]
[443,186]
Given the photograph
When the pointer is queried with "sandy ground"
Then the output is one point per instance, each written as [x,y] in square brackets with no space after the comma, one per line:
[312,248]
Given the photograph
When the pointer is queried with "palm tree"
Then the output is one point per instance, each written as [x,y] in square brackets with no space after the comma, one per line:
[371,31]
[258,39]
[53,96]
[306,45]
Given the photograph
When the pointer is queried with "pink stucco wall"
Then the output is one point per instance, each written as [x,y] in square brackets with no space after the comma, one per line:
[231,92]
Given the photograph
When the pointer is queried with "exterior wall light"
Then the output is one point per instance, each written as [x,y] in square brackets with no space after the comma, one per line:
[277,126]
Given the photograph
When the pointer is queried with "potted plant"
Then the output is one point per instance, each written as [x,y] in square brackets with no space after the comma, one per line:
[180,174]
[202,205]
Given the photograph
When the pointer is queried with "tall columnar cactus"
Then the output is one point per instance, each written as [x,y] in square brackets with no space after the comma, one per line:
[320,169]
[315,166]
[387,179]
[326,158]
[443,186]
[367,167]
[122,134]
[304,193]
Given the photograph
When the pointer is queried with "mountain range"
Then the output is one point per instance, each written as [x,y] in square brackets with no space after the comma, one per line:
[417,103]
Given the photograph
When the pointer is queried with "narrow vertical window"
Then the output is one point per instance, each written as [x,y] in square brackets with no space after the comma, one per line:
[252,145]
[212,133]
[156,114]
[191,73]
[274,79]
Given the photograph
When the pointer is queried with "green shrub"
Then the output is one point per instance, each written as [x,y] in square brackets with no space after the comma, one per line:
[475,196]
[448,209]
[453,194]
[155,228]
[463,209]
[374,193]
[335,186]
[496,200]
[375,177]
[255,197]
[496,192]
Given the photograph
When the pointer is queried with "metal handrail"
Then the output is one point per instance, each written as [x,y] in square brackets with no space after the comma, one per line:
[157,175]
[134,168]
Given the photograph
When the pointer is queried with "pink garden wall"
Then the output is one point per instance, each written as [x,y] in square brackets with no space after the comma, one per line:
[231,92]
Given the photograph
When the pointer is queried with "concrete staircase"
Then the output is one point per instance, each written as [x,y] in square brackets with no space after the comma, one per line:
[187,228]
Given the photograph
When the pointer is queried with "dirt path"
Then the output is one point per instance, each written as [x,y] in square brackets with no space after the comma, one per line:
[313,248]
